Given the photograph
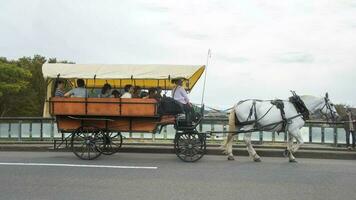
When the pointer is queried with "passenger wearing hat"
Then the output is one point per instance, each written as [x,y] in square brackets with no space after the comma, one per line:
[179,94]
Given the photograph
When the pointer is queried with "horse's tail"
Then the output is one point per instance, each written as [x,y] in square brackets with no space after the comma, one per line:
[232,127]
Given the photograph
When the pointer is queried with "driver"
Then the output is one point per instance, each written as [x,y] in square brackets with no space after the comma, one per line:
[179,94]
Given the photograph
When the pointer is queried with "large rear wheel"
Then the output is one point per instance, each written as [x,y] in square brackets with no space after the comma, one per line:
[85,142]
[190,146]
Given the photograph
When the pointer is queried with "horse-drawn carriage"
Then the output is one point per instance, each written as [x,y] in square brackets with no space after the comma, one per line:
[95,124]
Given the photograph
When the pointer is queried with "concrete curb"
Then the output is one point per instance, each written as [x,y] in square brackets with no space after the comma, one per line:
[239,150]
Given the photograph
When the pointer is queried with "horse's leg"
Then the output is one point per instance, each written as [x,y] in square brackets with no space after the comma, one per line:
[294,147]
[290,145]
[250,149]
[229,140]
[298,136]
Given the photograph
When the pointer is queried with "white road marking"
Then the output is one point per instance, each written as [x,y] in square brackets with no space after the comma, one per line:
[77,165]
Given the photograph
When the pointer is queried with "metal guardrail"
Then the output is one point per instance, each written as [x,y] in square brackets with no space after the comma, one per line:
[38,128]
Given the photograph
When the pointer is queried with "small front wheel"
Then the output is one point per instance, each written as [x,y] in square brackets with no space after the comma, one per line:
[112,143]
[190,146]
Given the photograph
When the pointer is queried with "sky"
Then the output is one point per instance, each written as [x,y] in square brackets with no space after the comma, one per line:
[259,49]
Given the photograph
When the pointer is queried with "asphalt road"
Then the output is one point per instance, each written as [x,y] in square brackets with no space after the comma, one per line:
[213,177]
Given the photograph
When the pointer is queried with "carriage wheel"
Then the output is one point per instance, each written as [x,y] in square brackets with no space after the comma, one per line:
[190,146]
[112,143]
[85,143]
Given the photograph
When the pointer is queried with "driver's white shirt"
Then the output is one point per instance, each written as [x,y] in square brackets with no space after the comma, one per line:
[179,94]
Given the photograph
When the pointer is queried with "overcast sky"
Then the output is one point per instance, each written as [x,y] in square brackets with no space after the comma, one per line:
[260,49]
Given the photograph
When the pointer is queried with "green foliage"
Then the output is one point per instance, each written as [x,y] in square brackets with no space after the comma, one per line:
[22,86]
[13,79]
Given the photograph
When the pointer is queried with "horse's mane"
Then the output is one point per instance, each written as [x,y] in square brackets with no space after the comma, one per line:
[308,97]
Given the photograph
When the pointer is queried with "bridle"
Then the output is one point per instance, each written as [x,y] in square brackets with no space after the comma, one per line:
[328,106]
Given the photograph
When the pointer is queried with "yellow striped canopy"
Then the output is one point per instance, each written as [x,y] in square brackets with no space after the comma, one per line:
[145,76]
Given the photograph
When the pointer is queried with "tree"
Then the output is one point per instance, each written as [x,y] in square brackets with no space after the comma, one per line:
[22,86]
[13,80]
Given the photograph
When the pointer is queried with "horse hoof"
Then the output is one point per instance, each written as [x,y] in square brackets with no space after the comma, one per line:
[286,153]
[293,161]
[257,159]
[230,158]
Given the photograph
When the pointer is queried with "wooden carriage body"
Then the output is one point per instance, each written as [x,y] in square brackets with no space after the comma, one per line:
[112,114]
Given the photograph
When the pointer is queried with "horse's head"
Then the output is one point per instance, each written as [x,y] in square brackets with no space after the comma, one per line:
[328,109]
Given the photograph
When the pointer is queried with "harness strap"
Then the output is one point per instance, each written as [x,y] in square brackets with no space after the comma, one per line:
[280,105]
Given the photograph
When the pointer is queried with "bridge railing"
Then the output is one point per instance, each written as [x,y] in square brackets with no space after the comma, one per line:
[40,129]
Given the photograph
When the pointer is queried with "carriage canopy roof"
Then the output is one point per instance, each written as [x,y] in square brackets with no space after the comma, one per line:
[145,76]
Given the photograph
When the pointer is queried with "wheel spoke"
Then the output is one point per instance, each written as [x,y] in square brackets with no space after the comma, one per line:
[190,146]
[86,143]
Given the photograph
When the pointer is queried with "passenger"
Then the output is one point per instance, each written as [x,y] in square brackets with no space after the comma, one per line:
[151,93]
[144,95]
[128,90]
[59,89]
[158,95]
[179,94]
[80,91]
[116,94]
[105,91]
[136,92]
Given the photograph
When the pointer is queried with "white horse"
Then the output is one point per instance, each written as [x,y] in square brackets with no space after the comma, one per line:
[265,115]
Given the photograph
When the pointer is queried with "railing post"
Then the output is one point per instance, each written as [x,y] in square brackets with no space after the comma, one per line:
[165,132]
[153,137]
[322,135]
[273,137]
[20,130]
[30,130]
[261,137]
[41,130]
[9,130]
[310,134]
[212,128]
[335,136]
[52,129]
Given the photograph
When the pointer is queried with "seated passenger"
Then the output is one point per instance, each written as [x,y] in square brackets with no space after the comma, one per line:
[79,91]
[136,92]
[105,91]
[158,95]
[151,93]
[144,95]
[59,89]
[115,94]
[128,90]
